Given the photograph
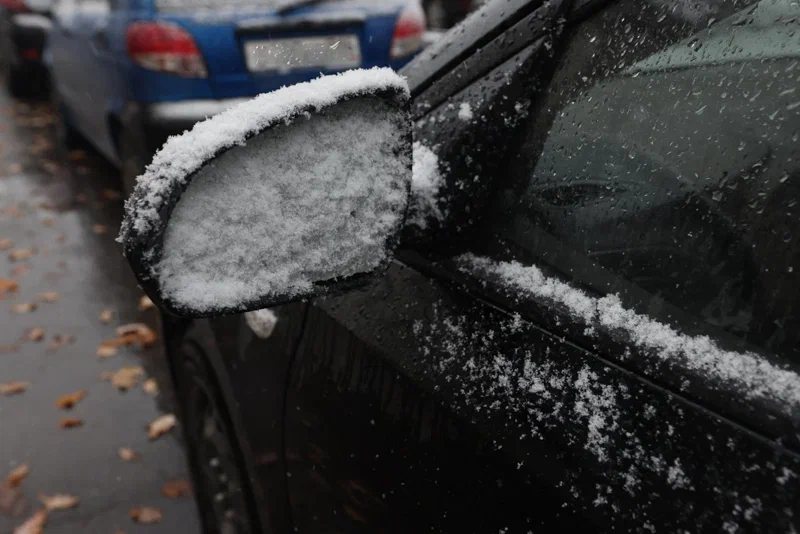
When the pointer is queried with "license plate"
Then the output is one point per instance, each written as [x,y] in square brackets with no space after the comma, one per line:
[330,52]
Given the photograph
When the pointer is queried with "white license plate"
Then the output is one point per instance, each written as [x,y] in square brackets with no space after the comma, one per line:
[330,52]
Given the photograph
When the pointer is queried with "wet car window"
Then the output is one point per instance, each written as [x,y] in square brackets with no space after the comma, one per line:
[664,165]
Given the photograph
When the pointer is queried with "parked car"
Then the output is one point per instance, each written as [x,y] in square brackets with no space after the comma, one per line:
[128,74]
[24,26]
[590,322]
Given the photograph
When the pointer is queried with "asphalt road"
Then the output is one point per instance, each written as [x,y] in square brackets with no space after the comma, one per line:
[63,209]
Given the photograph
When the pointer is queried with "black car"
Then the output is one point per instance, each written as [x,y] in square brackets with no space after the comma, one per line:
[24,26]
[591,319]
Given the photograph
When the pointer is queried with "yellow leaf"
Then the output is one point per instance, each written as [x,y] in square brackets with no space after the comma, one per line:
[70,422]
[106,351]
[150,386]
[48,296]
[7,285]
[145,303]
[59,501]
[145,336]
[6,243]
[128,454]
[34,524]
[146,515]
[59,340]
[13,388]
[106,316]
[126,378]
[178,487]
[161,425]
[24,307]
[35,334]
[68,401]
[17,475]
[20,254]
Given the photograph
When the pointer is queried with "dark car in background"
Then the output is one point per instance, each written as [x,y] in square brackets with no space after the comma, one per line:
[24,27]
[592,328]
[127,74]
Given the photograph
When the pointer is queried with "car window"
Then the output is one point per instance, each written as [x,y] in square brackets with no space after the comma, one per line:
[664,165]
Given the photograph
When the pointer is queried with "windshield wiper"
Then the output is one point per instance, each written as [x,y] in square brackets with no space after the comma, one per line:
[297,4]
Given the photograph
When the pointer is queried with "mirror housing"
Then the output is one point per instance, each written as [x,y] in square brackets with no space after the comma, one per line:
[291,195]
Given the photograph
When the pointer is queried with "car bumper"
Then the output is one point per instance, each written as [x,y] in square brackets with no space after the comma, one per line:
[155,122]
[28,35]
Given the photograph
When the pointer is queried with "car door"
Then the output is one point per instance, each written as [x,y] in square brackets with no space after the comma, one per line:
[95,86]
[607,338]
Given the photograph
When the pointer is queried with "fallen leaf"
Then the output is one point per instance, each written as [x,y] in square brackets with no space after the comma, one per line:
[150,386]
[35,334]
[128,454]
[6,243]
[100,228]
[178,487]
[145,336]
[4,349]
[12,501]
[13,211]
[7,285]
[48,221]
[14,388]
[59,501]
[145,303]
[20,254]
[146,515]
[106,316]
[111,194]
[70,422]
[59,340]
[126,378]
[17,475]
[14,168]
[61,238]
[48,296]
[75,155]
[34,524]
[106,351]
[161,425]
[68,401]
[19,270]
[24,307]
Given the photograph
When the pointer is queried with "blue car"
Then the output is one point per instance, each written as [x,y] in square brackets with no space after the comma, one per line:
[126,74]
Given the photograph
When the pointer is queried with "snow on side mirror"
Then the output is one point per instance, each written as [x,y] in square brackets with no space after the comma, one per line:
[290,195]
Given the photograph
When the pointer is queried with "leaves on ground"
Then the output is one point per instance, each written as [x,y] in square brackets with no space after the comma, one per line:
[35,334]
[106,351]
[59,501]
[146,515]
[14,387]
[6,243]
[150,386]
[145,336]
[70,422]
[128,455]
[125,378]
[106,316]
[176,488]
[59,340]
[145,303]
[7,285]
[161,425]
[48,296]
[17,475]
[68,401]
[21,254]
[24,307]
[34,524]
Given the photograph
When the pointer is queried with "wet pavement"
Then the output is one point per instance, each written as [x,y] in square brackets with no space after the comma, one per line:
[63,208]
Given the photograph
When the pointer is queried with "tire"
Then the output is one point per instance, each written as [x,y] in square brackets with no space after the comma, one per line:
[134,158]
[221,486]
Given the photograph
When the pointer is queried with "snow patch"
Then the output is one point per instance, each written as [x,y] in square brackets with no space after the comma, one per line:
[699,354]
[465,112]
[426,181]
[184,154]
[261,322]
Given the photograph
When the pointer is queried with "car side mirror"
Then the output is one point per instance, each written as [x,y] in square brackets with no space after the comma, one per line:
[291,195]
